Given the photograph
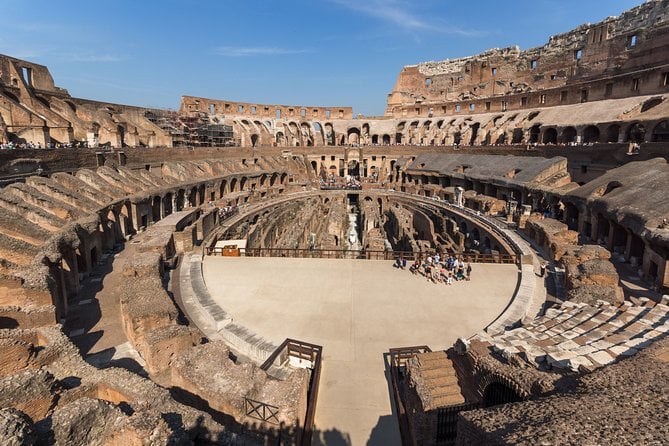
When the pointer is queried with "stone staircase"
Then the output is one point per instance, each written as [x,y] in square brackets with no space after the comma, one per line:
[436,380]
[577,336]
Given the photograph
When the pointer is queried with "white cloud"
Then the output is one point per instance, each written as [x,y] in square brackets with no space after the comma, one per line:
[78,57]
[234,51]
[398,12]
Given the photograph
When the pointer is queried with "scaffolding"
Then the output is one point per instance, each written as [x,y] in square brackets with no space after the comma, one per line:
[192,129]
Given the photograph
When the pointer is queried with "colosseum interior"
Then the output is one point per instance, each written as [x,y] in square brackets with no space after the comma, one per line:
[126,234]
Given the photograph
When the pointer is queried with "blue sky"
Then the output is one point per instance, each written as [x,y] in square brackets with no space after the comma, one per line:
[297,52]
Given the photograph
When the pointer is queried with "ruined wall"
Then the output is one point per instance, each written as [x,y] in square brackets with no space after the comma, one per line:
[596,58]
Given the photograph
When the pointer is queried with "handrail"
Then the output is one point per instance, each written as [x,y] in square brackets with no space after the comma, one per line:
[314,353]
[398,359]
[364,254]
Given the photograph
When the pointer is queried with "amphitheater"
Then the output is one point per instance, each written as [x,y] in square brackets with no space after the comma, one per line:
[228,273]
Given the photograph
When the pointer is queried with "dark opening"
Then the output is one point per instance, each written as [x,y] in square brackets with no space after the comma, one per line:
[497,393]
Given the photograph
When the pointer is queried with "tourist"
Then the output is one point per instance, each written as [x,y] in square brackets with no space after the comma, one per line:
[469,270]
[404,262]
[542,269]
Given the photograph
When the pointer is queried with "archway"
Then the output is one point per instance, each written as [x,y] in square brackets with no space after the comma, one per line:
[661,132]
[535,130]
[353,168]
[386,140]
[329,135]
[590,134]
[353,136]
[155,209]
[613,133]
[636,133]
[167,204]
[497,393]
[550,136]
[569,135]
[280,139]
[254,140]
[517,137]
[475,131]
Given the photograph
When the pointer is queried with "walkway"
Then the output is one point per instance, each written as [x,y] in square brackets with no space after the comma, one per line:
[356,310]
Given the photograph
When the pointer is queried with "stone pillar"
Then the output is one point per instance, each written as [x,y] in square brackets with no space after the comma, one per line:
[511,207]
[459,196]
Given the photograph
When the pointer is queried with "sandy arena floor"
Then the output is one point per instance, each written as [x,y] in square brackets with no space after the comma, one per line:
[356,310]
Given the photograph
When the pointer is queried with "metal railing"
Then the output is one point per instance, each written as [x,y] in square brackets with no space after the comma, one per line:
[447,423]
[363,254]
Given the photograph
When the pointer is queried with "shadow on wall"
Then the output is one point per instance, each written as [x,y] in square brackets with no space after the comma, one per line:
[248,433]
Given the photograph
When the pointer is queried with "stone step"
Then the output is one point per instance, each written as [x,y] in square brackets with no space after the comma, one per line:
[448,400]
[444,382]
[437,373]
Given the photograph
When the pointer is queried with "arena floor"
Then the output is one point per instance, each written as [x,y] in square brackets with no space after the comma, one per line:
[356,310]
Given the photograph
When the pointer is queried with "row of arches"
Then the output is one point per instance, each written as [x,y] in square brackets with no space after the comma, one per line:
[499,130]
[120,220]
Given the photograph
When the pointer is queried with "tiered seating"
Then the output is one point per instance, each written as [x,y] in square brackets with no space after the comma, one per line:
[578,335]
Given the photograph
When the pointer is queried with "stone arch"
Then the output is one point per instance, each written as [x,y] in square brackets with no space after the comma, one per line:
[569,135]
[613,133]
[353,135]
[201,194]
[242,183]
[590,134]
[181,199]
[636,132]
[474,133]
[155,208]
[168,204]
[661,132]
[496,390]
[385,139]
[535,131]
[550,136]
[319,134]
[280,139]
[293,134]
[517,136]
[223,189]
[192,197]
[306,137]
[364,138]
[272,179]
[330,137]
[233,185]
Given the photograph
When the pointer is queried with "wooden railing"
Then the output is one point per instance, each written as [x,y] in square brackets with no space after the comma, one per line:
[398,360]
[302,351]
[261,411]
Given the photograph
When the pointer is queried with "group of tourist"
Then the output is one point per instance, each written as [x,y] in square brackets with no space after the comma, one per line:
[436,269]
[31,145]
[331,182]
[226,211]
